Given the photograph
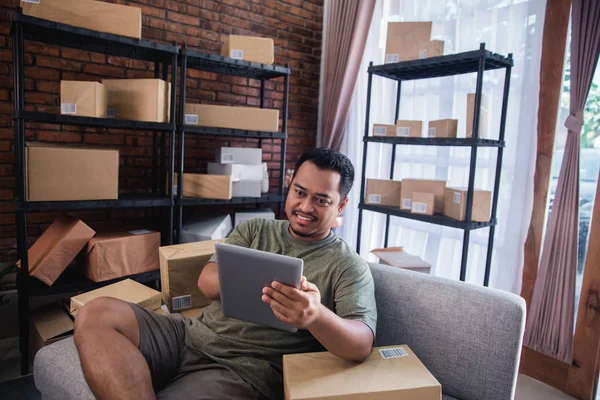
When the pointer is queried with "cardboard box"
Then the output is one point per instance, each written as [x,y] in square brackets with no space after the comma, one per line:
[384,130]
[60,172]
[383,192]
[397,257]
[205,186]
[242,216]
[422,203]
[238,172]
[389,373]
[406,128]
[83,99]
[126,290]
[249,48]
[247,118]
[239,155]
[180,268]
[434,48]
[202,229]
[483,116]
[406,40]
[49,325]
[54,250]
[246,189]
[114,255]
[445,128]
[410,186]
[138,99]
[455,204]
[95,15]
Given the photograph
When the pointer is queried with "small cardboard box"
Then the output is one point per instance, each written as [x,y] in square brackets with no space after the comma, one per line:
[54,250]
[114,255]
[249,48]
[383,192]
[59,172]
[247,118]
[238,172]
[83,99]
[242,216]
[180,268]
[205,186]
[384,130]
[406,40]
[49,325]
[126,290]
[95,15]
[434,48]
[202,229]
[239,155]
[407,128]
[410,186]
[483,116]
[397,257]
[455,204]
[138,99]
[422,203]
[444,128]
[390,372]
[246,189]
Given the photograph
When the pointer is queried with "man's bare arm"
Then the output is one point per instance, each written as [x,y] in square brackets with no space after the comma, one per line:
[208,281]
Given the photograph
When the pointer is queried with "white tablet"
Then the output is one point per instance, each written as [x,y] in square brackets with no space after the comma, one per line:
[243,273]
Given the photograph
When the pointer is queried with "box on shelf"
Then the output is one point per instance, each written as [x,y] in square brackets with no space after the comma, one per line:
[180,268]
[207,228]
[61,172]
[238,155]
[249,48]
[205,186]
[422,203]
[54,250]
[232,117]
[383,192]
[83,99]
[49,325]
[390,372]
[455,204]
[126,290]
[410,186]
[384,130]
[483,116]
[246,189]
[397,257]
[242,216]
[114,255]
[406,40]
[146,100]
[95,15]
[238,172]
[445,128]
[407,128]
[434,48]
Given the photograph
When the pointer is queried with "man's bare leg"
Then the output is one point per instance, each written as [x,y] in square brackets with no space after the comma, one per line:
[107,336]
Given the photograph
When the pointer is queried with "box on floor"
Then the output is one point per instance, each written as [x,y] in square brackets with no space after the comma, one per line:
[383,192]
[232,117]
[83,99]
[206,228]
[409,186]
[146,100]
[397,257]
[455,204]
[249,48]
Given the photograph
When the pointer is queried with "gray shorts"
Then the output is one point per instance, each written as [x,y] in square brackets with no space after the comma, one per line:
[180,372]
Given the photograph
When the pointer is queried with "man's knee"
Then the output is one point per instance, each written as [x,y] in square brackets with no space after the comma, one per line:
[102,313]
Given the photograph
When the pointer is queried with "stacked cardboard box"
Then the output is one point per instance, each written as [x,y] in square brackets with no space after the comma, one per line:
[202,229]
[249,48]
[412,186]
[83,99]
[402,128]
[411,41]
[383,192]
[245,168]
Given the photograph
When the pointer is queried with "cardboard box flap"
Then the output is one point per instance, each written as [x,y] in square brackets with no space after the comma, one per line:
[51,322]
[396,257]
[126,290]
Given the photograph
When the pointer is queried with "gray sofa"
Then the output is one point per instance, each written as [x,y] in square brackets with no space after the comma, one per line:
[468,336]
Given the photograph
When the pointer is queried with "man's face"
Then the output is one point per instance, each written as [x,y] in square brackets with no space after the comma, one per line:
[313,202]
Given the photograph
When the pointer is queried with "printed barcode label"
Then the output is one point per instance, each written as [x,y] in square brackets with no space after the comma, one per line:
[181,302]
[375,198]
[457,197]
[392,58]
[32,1]
[423,54]
[110,112]
[431,132]
[419,208]
[68,108]
[379,130]
[140,232]
[237,54]
[393,352]
[403,131]
[191,119]
[407,203]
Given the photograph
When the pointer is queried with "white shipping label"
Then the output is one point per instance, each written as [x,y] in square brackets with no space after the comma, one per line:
[423,54]
[403,131]
[237,54]
[419,208]
[392,58]
[181,302]
[191,119]
[457,197]
[110,112]
[31,1]
[431,132]
[379,130]
[227,158]
[407,203]
[375,199]
[393,352]
[68,108]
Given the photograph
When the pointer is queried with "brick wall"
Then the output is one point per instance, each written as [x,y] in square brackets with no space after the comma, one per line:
[295,26]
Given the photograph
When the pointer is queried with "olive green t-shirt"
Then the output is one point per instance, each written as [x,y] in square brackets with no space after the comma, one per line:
[254,351]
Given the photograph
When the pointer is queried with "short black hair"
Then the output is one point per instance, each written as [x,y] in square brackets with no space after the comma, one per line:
[328,159]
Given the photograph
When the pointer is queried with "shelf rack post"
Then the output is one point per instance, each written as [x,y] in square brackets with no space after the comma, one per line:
[393,162]
[173,119]
[181,155]
[286,94]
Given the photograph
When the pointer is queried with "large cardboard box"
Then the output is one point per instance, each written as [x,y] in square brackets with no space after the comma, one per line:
[410,186]
[445,128]
[59,172]
[247,118]
[406,40]
[249,48]
[205,186]
[246,189]
[95,15]
[239,155]
[383,192]
[54,250]
[114,255]
[83,99]
[389,373]
[434,48]
[422,203]
[397,257]
[180,268]
[126,290]
[202,229]
[384,130]
[138,99]
[242,216]
[483,116]
[407,128]
[238,172]
[49,325]
[455,204]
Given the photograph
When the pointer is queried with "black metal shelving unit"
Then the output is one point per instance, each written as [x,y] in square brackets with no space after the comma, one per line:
[26,28]
[245,69]
[477,61]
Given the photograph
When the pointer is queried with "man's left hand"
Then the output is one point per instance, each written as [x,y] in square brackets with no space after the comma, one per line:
[296,307]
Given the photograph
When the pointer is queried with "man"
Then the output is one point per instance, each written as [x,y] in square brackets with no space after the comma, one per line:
[128,352]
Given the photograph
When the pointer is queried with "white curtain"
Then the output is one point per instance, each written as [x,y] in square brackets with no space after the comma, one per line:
[505,26]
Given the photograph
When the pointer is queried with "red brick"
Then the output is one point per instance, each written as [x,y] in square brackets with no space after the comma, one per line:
[37,48]
[130,63]
[56,136]
[290,19]
[41,73]
[102,139]
[212,85]
[195,11]
[48,86]
[246,91]
[76,54]
[57,63]
[235,22]
[104,70]
[191,31]
[41,98]
[4,95]
[184,19]
[231,98]
[152,11]
[98,58]
[237,3]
